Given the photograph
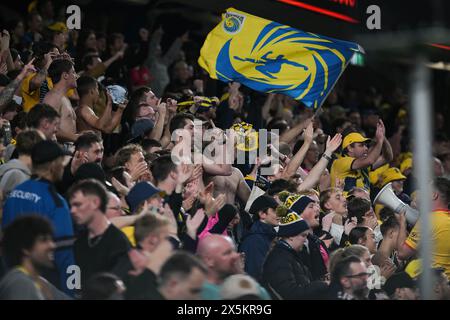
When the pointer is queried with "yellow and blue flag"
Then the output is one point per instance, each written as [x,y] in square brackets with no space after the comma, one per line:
[270,57]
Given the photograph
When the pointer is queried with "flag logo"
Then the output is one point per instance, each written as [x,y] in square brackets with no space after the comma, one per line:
[233,22]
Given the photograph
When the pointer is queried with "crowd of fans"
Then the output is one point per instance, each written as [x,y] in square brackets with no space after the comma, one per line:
[97,204]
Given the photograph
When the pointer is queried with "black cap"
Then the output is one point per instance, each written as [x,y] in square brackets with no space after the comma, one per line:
[398,281]
[46,151]
[261,203]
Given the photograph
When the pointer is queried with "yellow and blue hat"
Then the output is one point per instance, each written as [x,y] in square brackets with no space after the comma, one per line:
[297,203]
[292,225]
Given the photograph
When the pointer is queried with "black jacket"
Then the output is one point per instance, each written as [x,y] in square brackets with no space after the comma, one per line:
[313,259]
[286,276]
[256,244]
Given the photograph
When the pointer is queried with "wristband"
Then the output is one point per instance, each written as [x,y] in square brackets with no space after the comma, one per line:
[326,157]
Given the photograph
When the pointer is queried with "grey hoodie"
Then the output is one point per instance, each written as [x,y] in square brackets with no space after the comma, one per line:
[13,173]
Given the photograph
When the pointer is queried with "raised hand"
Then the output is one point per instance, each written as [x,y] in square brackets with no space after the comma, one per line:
[339,183]
[48,59]
[171,105]
[161,107]
[196,173]
[188,202]
[327,221]
[349,225]
[4,40]
[381,130]
[138,171]
[234,100]
[212,205]
[333,144]
[79,158]
[387,269]
[194,222]
[198,84]
[123,190]
[309,133]
[184,173]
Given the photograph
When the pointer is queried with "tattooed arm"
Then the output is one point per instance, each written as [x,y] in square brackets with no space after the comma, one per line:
[8,93]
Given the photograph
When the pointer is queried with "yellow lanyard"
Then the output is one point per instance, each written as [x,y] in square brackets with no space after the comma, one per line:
[25,271]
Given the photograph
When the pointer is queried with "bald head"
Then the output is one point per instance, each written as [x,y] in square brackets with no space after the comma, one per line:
[210,244]
[219,255]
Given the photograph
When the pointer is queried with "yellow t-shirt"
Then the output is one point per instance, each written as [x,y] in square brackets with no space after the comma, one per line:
[440,237]
[342,169]
[129,232]
[31,98]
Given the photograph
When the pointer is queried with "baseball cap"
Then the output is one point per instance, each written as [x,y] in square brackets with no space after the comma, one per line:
[58,27]
[375,175]
[391,174]
[398,281]
[47,151]
[239,285]
[141,126]
[139,193]
[263,202]
[352,138]
[91,170]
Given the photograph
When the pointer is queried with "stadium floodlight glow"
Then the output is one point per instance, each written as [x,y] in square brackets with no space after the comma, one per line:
[319,10]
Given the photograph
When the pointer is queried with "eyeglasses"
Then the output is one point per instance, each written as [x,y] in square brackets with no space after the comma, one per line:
[117,208]
[358,275]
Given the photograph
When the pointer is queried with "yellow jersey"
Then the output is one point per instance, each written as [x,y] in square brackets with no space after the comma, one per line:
[31,98]
[342,169]
[440,237]
[129,232]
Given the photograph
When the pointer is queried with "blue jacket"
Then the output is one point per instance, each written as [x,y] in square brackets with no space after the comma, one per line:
[256,244]
[39,196]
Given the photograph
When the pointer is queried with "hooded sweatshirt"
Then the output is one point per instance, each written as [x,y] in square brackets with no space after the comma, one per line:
[256,244]
[13,173]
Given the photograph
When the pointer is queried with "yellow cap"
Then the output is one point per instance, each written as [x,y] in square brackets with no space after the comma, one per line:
[406,164]
[352,138]
[391,174]
[58,27]
[375,175]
